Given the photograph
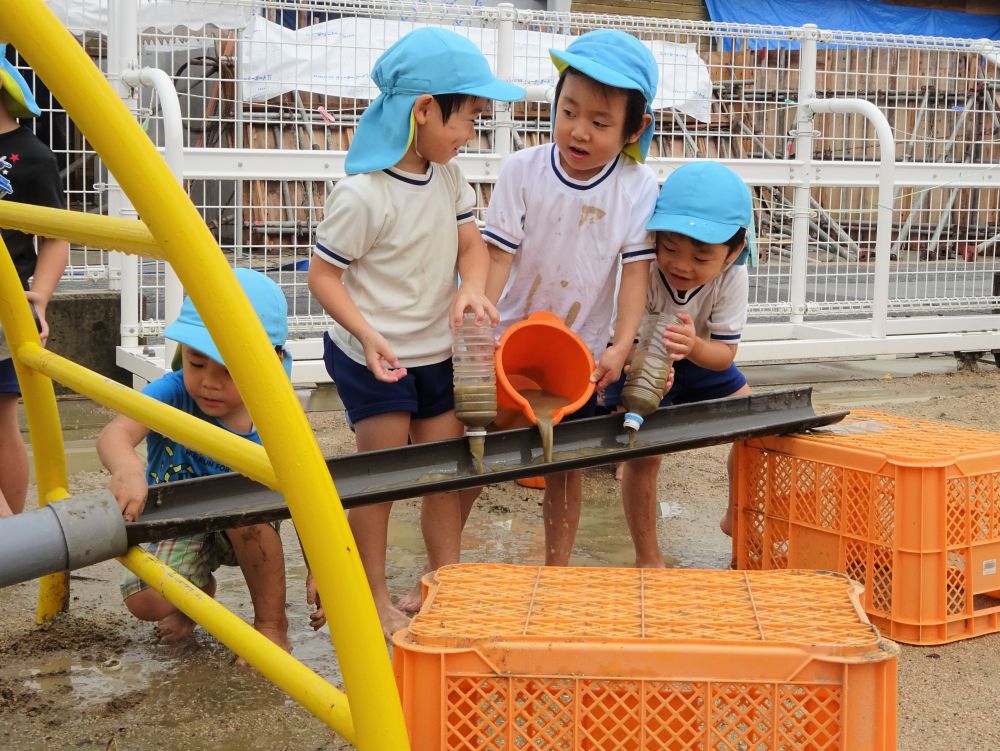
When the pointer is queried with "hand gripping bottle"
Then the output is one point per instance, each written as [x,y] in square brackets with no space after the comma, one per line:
[475,382]
[647,376]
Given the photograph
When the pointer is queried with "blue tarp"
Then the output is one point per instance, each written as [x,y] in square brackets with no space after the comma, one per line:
[857,15]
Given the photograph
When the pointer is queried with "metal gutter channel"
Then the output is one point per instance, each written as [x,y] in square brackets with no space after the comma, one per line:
[231,500]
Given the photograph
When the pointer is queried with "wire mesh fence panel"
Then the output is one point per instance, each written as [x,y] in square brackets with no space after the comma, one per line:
[275,77]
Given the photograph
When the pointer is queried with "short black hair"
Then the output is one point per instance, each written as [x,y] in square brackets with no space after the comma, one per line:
[737,240]
[635,101]
[451,103]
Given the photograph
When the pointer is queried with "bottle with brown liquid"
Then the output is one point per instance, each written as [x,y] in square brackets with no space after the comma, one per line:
[475,382]
[649,371]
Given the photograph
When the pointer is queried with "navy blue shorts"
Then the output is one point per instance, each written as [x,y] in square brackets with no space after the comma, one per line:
[692,383]
[8,378]
[425,391]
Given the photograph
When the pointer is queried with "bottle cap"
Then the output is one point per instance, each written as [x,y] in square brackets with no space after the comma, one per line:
[475,432]
[633,421]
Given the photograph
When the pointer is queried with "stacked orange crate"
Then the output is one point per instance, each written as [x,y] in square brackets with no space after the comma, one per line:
[909,508]
[509,657]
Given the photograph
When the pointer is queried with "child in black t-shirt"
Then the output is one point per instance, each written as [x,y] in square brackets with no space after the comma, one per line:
[28,174]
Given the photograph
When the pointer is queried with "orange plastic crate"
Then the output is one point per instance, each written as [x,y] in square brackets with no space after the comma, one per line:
[909,508]
[516,657]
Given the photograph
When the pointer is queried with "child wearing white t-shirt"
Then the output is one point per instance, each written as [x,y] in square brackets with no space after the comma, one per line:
[703,223]
[563,216]
[394,234]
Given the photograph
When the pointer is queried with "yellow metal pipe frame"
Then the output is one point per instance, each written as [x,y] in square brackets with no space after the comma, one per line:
[235,452]
[109,233]
[298,464]
[298,681]
[43,421]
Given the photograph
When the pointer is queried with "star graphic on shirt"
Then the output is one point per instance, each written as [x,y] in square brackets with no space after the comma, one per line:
[14,157]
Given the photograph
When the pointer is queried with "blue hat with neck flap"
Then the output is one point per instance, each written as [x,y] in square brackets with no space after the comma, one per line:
[426,61]
[617,59]
[709,202]
[16,95]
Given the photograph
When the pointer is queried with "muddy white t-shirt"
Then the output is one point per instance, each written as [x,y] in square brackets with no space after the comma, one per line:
[718,308]
[568,236]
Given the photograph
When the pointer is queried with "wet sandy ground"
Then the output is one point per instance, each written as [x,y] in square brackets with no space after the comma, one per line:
[97,679]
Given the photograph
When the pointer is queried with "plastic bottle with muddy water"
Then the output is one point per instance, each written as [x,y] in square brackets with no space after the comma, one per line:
[475,382]
[649,371]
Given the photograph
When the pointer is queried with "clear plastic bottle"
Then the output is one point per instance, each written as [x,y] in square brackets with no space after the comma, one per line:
[475,382]
[649,371]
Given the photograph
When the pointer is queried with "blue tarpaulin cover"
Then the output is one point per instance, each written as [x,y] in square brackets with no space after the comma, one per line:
[857,15]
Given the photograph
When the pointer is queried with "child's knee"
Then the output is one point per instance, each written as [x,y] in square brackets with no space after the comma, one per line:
[644,466]
[149,605]
[264,535]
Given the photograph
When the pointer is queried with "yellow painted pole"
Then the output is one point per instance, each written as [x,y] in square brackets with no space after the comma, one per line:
[95,230]
[190,248]
[43,421]
[291,676]
[236,452]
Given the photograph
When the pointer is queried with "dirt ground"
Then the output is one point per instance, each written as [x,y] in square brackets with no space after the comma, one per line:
[97,679]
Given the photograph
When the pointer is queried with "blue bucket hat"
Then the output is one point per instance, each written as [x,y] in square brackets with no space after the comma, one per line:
[16,95]
[617,59]
[425,61]
[267,300]
[709,202]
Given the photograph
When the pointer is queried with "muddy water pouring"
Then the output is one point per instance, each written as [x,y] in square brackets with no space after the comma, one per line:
[543,374]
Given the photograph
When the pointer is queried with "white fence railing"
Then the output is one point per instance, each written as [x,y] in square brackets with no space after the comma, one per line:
[268,111]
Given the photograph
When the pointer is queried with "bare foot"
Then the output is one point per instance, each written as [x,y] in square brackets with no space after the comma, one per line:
[619,469]
[177,626]
[726,523]
[278,633]
[410,602]
[174,627]
[392,620]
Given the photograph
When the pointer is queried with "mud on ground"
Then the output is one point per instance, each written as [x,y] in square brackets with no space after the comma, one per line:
[97,679]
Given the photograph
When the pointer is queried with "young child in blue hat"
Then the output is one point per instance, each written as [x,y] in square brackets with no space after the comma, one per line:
[704,233]
[28,174]
[201,387]
[564,217]
[394,235]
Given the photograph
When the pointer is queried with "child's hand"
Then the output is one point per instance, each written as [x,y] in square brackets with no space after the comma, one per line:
[670,382]
[680,340]
[474,302]
[317,618]
[39,304]
[129,488]
[609,368]
[381,360]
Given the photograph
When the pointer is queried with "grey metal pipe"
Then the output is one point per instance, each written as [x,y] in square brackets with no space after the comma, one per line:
[62,536]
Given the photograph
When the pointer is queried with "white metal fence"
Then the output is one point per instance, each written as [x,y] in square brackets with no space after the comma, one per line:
[268,110]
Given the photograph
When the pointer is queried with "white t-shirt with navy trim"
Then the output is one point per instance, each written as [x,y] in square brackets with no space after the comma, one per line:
[718,308]
[396,236]
[568,236]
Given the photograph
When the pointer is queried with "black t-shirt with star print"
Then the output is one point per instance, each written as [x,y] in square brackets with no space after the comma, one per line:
[29,173]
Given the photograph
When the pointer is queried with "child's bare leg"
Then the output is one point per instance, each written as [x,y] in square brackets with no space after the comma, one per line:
[429,526]
[171,624]
[726,522]
[561,515]
[370,527]
[639,504]
[370,524]
[13,458]
[442,515]
[261,557]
